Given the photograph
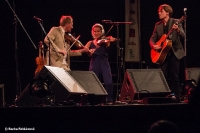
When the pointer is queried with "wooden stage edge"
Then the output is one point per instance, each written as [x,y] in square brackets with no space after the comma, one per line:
[129,118]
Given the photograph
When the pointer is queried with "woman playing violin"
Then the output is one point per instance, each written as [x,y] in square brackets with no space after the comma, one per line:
[60,46]
[99,59]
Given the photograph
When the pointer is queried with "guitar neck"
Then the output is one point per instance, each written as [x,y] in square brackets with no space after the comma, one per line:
[176,23]
[169,32]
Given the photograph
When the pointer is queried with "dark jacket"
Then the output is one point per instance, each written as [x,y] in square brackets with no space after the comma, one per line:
[177,47]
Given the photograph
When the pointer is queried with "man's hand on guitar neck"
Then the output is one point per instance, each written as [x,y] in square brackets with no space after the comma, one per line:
[175,27]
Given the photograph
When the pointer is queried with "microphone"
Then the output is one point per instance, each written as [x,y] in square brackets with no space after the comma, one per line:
[184,10]
[38,19]
[106,21]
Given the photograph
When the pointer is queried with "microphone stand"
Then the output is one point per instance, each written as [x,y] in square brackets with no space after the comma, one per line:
[18,86]
[50,43]
[120,53]
[185,38]
[21,24]
[185,46]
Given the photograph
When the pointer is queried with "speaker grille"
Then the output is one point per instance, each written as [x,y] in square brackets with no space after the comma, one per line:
[145,83]
[148,80]
[89,81]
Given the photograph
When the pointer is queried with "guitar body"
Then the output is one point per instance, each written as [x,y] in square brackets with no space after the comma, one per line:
[158,56]
[40,63]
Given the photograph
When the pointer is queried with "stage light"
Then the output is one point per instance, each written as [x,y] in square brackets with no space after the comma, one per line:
[39,89]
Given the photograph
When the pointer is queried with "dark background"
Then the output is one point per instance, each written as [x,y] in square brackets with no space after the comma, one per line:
[16,48]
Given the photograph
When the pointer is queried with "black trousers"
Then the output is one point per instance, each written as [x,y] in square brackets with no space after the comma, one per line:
[170,69]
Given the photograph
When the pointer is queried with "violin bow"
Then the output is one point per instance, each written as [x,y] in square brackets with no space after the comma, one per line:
[73,43]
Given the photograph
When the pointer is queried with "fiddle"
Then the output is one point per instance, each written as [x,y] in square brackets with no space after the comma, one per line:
[76,42]
[106,40]
[40,59]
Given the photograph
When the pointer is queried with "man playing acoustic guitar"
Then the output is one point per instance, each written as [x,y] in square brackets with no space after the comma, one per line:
[166,47]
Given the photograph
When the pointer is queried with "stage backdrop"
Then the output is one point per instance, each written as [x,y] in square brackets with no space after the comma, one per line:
[132,31]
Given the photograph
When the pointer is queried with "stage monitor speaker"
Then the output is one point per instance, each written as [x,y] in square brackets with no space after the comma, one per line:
[96,93]
[62,86]
[144,83]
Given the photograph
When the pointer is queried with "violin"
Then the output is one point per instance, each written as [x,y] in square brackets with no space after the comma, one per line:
[73,40]
[106,40]
[40,59]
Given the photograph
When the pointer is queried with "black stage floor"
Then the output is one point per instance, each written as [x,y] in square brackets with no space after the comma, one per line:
[126,118]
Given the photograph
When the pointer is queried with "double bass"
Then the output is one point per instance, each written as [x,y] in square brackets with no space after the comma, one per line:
[40,61]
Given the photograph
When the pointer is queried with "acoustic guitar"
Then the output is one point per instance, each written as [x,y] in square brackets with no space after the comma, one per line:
[158,56]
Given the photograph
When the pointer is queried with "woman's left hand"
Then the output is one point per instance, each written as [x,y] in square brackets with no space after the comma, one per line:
[111,39]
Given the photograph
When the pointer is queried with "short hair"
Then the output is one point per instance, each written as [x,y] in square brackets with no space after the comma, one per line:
[100,26]
[65,20]
[164,126]
[167,8]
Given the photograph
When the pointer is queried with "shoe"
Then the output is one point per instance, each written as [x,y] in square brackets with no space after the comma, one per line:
[109,103]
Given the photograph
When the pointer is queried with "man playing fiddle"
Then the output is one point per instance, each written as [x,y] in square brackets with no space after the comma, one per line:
[60,47]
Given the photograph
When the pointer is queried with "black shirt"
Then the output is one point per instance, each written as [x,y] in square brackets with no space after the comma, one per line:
[166,28]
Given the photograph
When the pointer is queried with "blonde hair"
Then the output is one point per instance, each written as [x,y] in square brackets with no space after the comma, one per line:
[65,20]
[100,26]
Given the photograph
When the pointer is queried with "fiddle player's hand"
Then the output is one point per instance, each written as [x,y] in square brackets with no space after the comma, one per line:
[112,39]
[84,50]
[63,52]
[91,51]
